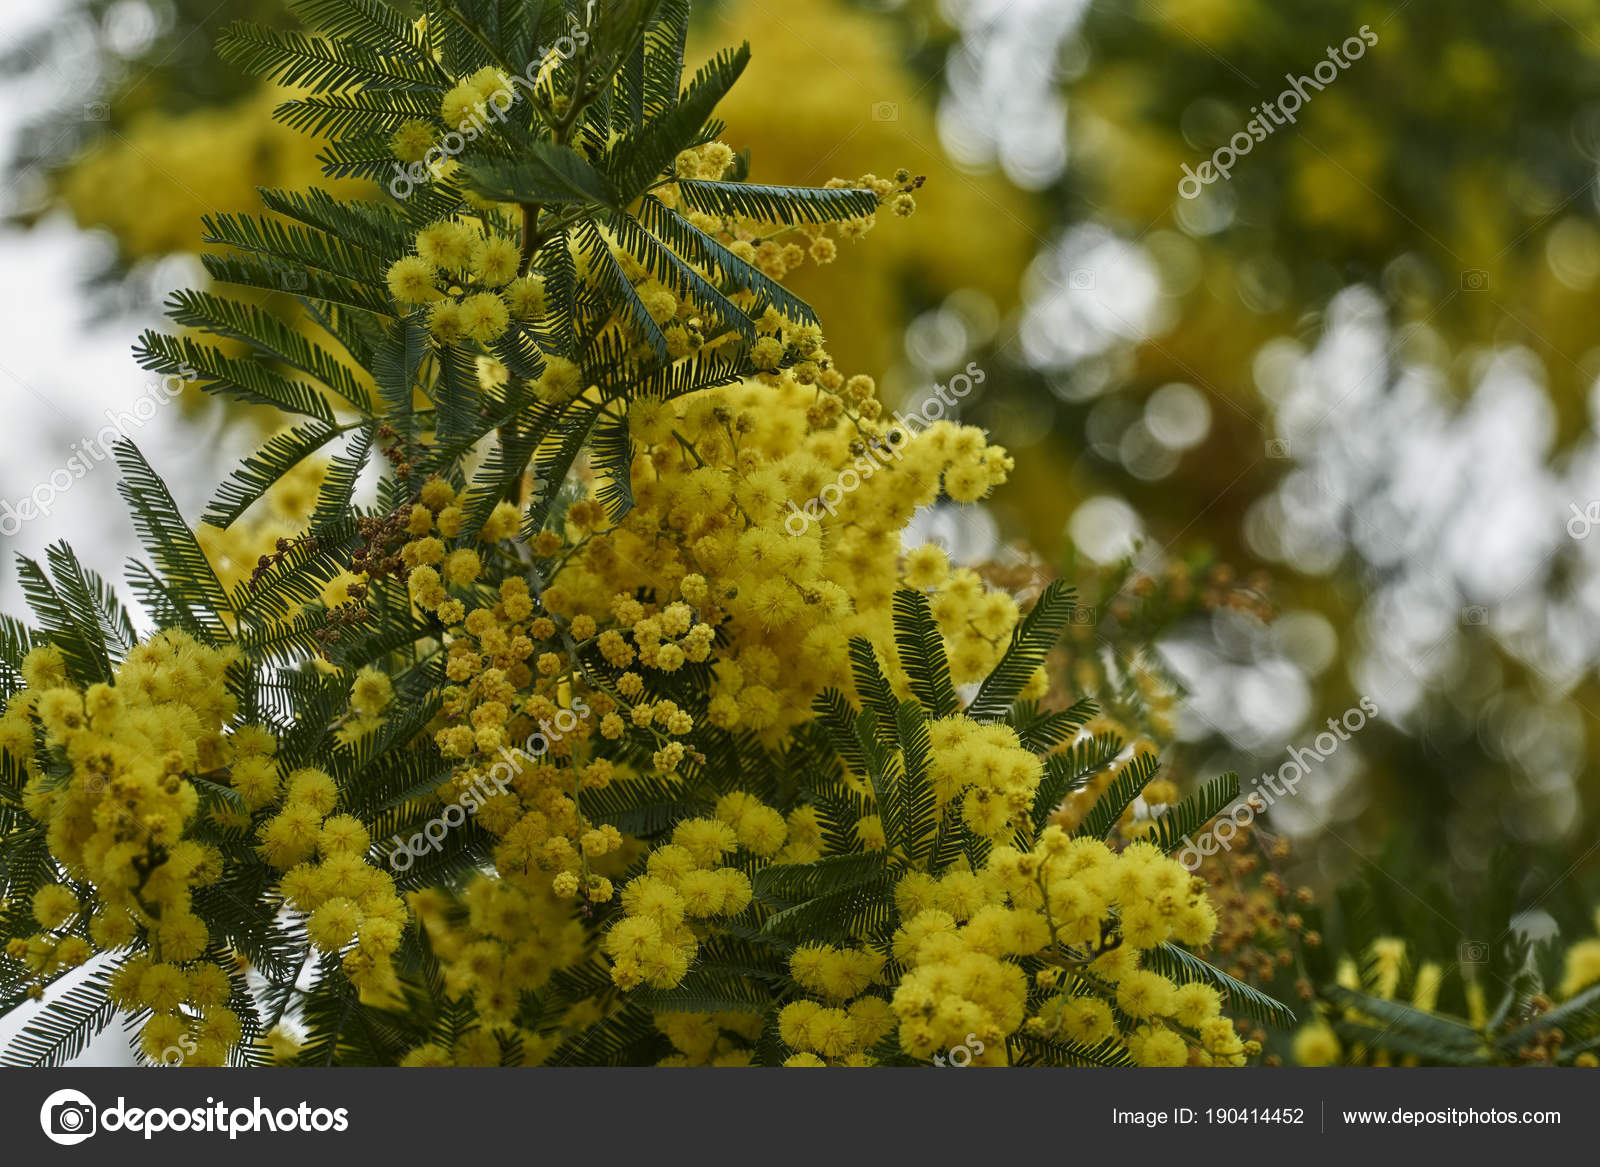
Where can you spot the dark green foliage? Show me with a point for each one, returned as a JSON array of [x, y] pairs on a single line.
[[78, 611], [188, 581], [61, 1033], [1032, 639], [1070, 769], [1394, 1026], [1182, 966], [1041, 731], [922, 653], [1195, 811], [1497, 1000], [1027, 1050], [777, 204], [1134, 777], [259, 472]]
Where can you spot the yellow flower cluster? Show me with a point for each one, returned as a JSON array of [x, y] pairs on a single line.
[[704, 553], [117, 824], [709, 1039], [988, 762], [507, 943], [685, 881], [119, 820], [55, 906], [600, 673], [328, 877], [371, 694], [718, 479], [840, 1033], [469, 277], [471, 97], [190, 1023], [516, 718], [1088, 912]]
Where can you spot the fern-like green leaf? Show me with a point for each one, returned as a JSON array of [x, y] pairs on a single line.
[[1184, 967], [787, 205], [543, 174], [787, 884], [170, 541], [63, 1030], [1194, 812], [1136, 774], [260, 471], [297, 61], [921, 648], [1031, 641], [1070, 770]]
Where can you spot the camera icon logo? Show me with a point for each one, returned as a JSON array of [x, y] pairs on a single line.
[[96, 111], [68, 1117], [1474, 280], [1474, 615], [1472, 952], [1081, 279], [293, 281], [1085, 615], [886, 111], [1278, 448]]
